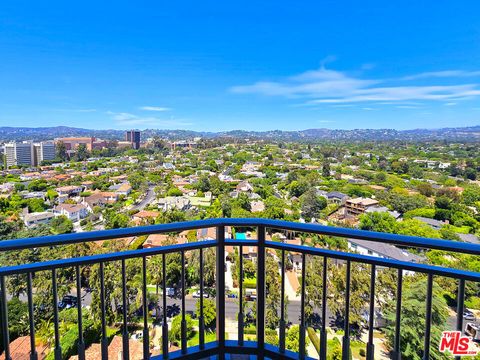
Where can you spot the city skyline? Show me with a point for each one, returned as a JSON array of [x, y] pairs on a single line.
[[219, 67]]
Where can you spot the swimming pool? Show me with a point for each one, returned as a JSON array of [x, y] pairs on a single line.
[[241, 236]]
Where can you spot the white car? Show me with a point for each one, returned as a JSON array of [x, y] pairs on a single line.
[[196, 294]]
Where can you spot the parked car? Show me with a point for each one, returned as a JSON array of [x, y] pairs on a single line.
[[473, 330], [196, 294], [170, 292], [67, 302], [468, 315]]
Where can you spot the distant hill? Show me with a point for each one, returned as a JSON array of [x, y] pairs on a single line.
[[470, 134]]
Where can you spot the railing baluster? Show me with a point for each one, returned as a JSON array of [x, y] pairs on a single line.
[[33, 349], [460, 306], [323, 331], [164, 298], [81, 342], [302, 328], [428, 318], [398, 317], [184, 322], [261, 291], [371, 315], [146, 339], [346, 324], [104, 341], [240, 297], [126, 350], [58, 348], [220, 291], [282, 305], [6, 337], [201, 319]]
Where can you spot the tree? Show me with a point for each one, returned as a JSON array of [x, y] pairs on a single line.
[[297, 188], [377, 221], [61, 150], [425, 189], [272, 290], [292, 339], [81, 153], [209, 312], [61, 225], [326, 169], [413, 330], [359, 292], [312, 204], [175, 333]]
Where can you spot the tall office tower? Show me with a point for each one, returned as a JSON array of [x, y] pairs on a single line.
[[19, 153], [133, 136], [44, 151]]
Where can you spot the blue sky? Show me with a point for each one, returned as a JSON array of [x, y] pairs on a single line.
[[222, 65]]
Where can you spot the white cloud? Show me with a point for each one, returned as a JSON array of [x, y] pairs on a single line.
[[450, 104], [325, 86], [155, 108], [127, 119], [78, 110], [443, 74]]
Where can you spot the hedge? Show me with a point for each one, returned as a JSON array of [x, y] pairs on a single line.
[[250, 283]]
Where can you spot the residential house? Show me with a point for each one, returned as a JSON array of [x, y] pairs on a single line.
[[74, 212], [383, 209], [257, 206], [36, 218], [382, 250], [20, 349], [174, 202], [244, 186], [70, 190], [100, 199], [359, 205], [434, 224], [336, 197], [124, 189], [144, 217]]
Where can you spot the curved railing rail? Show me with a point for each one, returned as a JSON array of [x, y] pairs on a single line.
[[222, 346]]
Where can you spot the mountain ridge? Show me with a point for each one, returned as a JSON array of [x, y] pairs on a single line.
[[469, 133]]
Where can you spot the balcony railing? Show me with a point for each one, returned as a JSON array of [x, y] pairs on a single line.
[[222, 346]]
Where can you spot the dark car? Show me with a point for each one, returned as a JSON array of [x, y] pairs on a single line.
[[468, 315], [67, 302]]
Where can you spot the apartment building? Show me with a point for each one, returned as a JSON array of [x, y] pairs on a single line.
[[19, 153], [43, 151]]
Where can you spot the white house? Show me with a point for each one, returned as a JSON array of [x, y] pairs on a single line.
[[74, 212]]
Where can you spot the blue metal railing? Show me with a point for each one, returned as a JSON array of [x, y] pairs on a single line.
[[222, 346]]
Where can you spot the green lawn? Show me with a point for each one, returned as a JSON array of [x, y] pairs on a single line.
[[209, 337]]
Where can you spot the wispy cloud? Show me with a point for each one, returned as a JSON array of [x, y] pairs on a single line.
[[77, 110], [128, 119], [155, 108], [325, 86], [443, 74], [406, 107], [450, 104]]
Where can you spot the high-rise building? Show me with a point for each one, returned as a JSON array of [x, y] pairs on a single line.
[[44, 151], [19, 153], [133, 137]]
